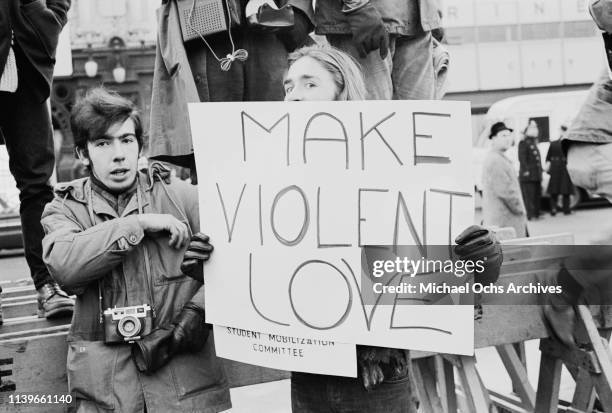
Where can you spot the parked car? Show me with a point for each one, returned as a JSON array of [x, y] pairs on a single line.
[[550, 111]]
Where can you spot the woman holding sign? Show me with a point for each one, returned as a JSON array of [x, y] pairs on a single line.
[[385, 384]]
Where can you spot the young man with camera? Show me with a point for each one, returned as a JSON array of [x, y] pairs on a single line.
[[124, 242]]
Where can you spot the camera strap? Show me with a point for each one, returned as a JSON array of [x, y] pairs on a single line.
[[147, 261], [92, 217]]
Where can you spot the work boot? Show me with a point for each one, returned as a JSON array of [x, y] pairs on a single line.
[[53, 302]]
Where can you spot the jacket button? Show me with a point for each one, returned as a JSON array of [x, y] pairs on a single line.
[[133, 238]]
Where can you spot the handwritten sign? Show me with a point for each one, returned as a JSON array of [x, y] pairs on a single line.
[[290, 192], [305, 354]]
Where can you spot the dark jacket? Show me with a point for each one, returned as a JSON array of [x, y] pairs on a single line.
[[36, 25], [173, 83], [403, 17], [560, 181], [80, 254], [530, 160]]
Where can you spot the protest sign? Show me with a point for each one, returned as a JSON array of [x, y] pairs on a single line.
[[286, 352], [289, 192]]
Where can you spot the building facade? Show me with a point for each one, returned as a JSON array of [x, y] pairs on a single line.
[[113, 44], [503, 48]]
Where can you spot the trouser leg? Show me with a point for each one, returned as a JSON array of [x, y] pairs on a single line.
[[413, 71], [537, 197], [553, 203], [566, 204], [377, 72], [26, 126]]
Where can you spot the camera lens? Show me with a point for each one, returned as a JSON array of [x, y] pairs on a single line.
[[129, 326]]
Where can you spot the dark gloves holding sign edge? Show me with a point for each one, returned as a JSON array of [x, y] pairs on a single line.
[[189, 332]]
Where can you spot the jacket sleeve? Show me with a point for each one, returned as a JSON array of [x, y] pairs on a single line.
[[522, 154], [76, 256]]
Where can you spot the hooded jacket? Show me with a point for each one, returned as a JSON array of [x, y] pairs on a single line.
[[114, 254]]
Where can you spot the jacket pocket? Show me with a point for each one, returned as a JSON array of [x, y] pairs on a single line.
[[90, 368], [44, 23], [198, 373]]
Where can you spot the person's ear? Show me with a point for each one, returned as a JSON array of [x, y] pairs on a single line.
[[82, 154]]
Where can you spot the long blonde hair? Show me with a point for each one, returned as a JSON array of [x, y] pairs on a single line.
[[345, 70]]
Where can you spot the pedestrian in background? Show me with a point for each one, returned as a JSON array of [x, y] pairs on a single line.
[[391, 40], [530, 172], [560, 182], [502, 203], [29, 33]]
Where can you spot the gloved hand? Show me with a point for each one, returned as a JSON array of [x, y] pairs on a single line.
[[297, 35], [197, 252], [558, 309], [153, 351], [561, 321], [190, 331], [369, 32], [379, 363], [478, 243]]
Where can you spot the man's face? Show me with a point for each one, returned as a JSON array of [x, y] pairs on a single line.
[[532, 129], [114, 157], [503, 140]]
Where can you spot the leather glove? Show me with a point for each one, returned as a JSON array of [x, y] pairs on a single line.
[[153, 351], [197, 252], [379, 363], [369, 32], [297, 35], [561, 321], [558, 309], [478, 243], [190, 331]]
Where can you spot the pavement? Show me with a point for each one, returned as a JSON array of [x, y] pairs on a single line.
[[274, 397]]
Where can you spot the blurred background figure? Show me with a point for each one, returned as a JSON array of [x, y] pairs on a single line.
[[530, 172], [560, 182], [391, 39], [502, 204]]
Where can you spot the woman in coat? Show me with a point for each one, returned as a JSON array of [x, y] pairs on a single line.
[[560, 182], [502, 204]]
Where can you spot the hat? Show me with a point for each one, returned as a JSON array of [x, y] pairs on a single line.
[[601, 12], [498, 127]]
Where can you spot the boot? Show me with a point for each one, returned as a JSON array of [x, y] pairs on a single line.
[[53, 302]]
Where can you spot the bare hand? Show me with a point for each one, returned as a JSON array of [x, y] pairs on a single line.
[[179, 234]]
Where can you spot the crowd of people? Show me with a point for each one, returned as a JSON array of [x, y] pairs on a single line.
[[123, 238]]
